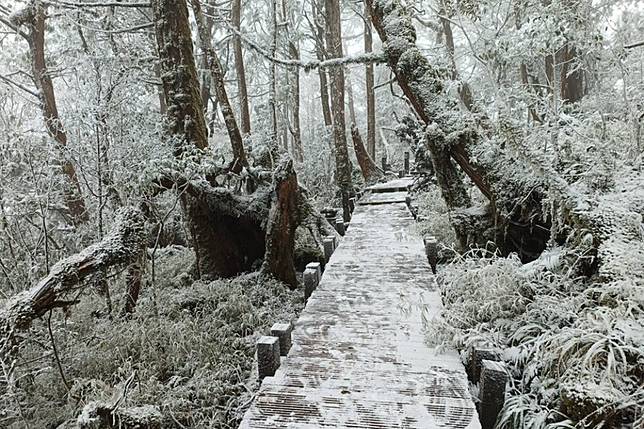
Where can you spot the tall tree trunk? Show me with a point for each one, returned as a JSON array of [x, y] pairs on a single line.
[[320, 52], [371, 96], [334, 49], [185, 117], [349, 88], [240, 69], [273, 82], [217, 77], [523, 69], [71, 191], [298, 150], [206, 78], [464, 92], [572, 83]]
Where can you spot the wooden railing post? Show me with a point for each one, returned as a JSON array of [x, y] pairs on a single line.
[[283, 332], [329, 247], [310, 278], [406, 163], [494, 377], [268, 356], [317, 267], [431, 250]]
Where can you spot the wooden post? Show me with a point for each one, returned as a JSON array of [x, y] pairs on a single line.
[[494, 377], [476, 358], [339, 225], [268, 356], [431, 250], [329, 247], [310, 278], [283, 332], [401, 174], [384, 163], [317, 267], [406, 164]]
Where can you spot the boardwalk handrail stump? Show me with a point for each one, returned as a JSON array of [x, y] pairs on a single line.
[[268, 356], [494, 377], [431, 250], [283, 332]]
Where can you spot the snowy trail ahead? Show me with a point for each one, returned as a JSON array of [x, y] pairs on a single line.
[[359, 357]]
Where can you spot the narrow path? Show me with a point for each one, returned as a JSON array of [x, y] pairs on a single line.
[[359, 357]]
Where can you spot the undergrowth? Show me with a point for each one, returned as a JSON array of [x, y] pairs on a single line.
[[574, 346], [189, 348]]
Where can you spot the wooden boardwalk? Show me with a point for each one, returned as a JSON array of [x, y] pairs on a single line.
[[359, 357]]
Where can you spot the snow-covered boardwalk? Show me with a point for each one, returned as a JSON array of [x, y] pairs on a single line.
[[359, 357]]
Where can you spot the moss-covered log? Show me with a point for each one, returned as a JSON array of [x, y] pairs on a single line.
[[122, 245], [454, 138]]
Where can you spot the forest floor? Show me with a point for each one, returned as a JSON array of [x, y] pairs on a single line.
[[190, 347]]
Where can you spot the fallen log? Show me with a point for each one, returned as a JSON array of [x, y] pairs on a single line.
[[120, 246], [455, 138]]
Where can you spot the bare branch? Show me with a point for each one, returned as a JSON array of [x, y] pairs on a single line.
[[634, 45], [76, 5], [18, 85]]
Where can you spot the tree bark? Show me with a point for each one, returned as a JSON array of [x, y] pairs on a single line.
[[240, 68], [296, 131], [185, 117], [272, 101], [282, 222], [421, 83], [368, 167], [334, 49], [121, 245], [217, 76], [371, 96], [572, 83], [34, 17], [464, 91], [318, 30]]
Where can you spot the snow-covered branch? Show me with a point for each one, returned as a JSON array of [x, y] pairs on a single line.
[[366, 58]]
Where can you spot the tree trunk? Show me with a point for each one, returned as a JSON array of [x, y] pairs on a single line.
[[422, 83], [349, 88], [206, 79], [334, 49], [572, 84], [217, 76], [282, 222], [464, 92], [318, 30], [298, 151], [35, 19], [371, 96], [454, 139], [368, 167], [240, 69], [185, 117], [273, 84]]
